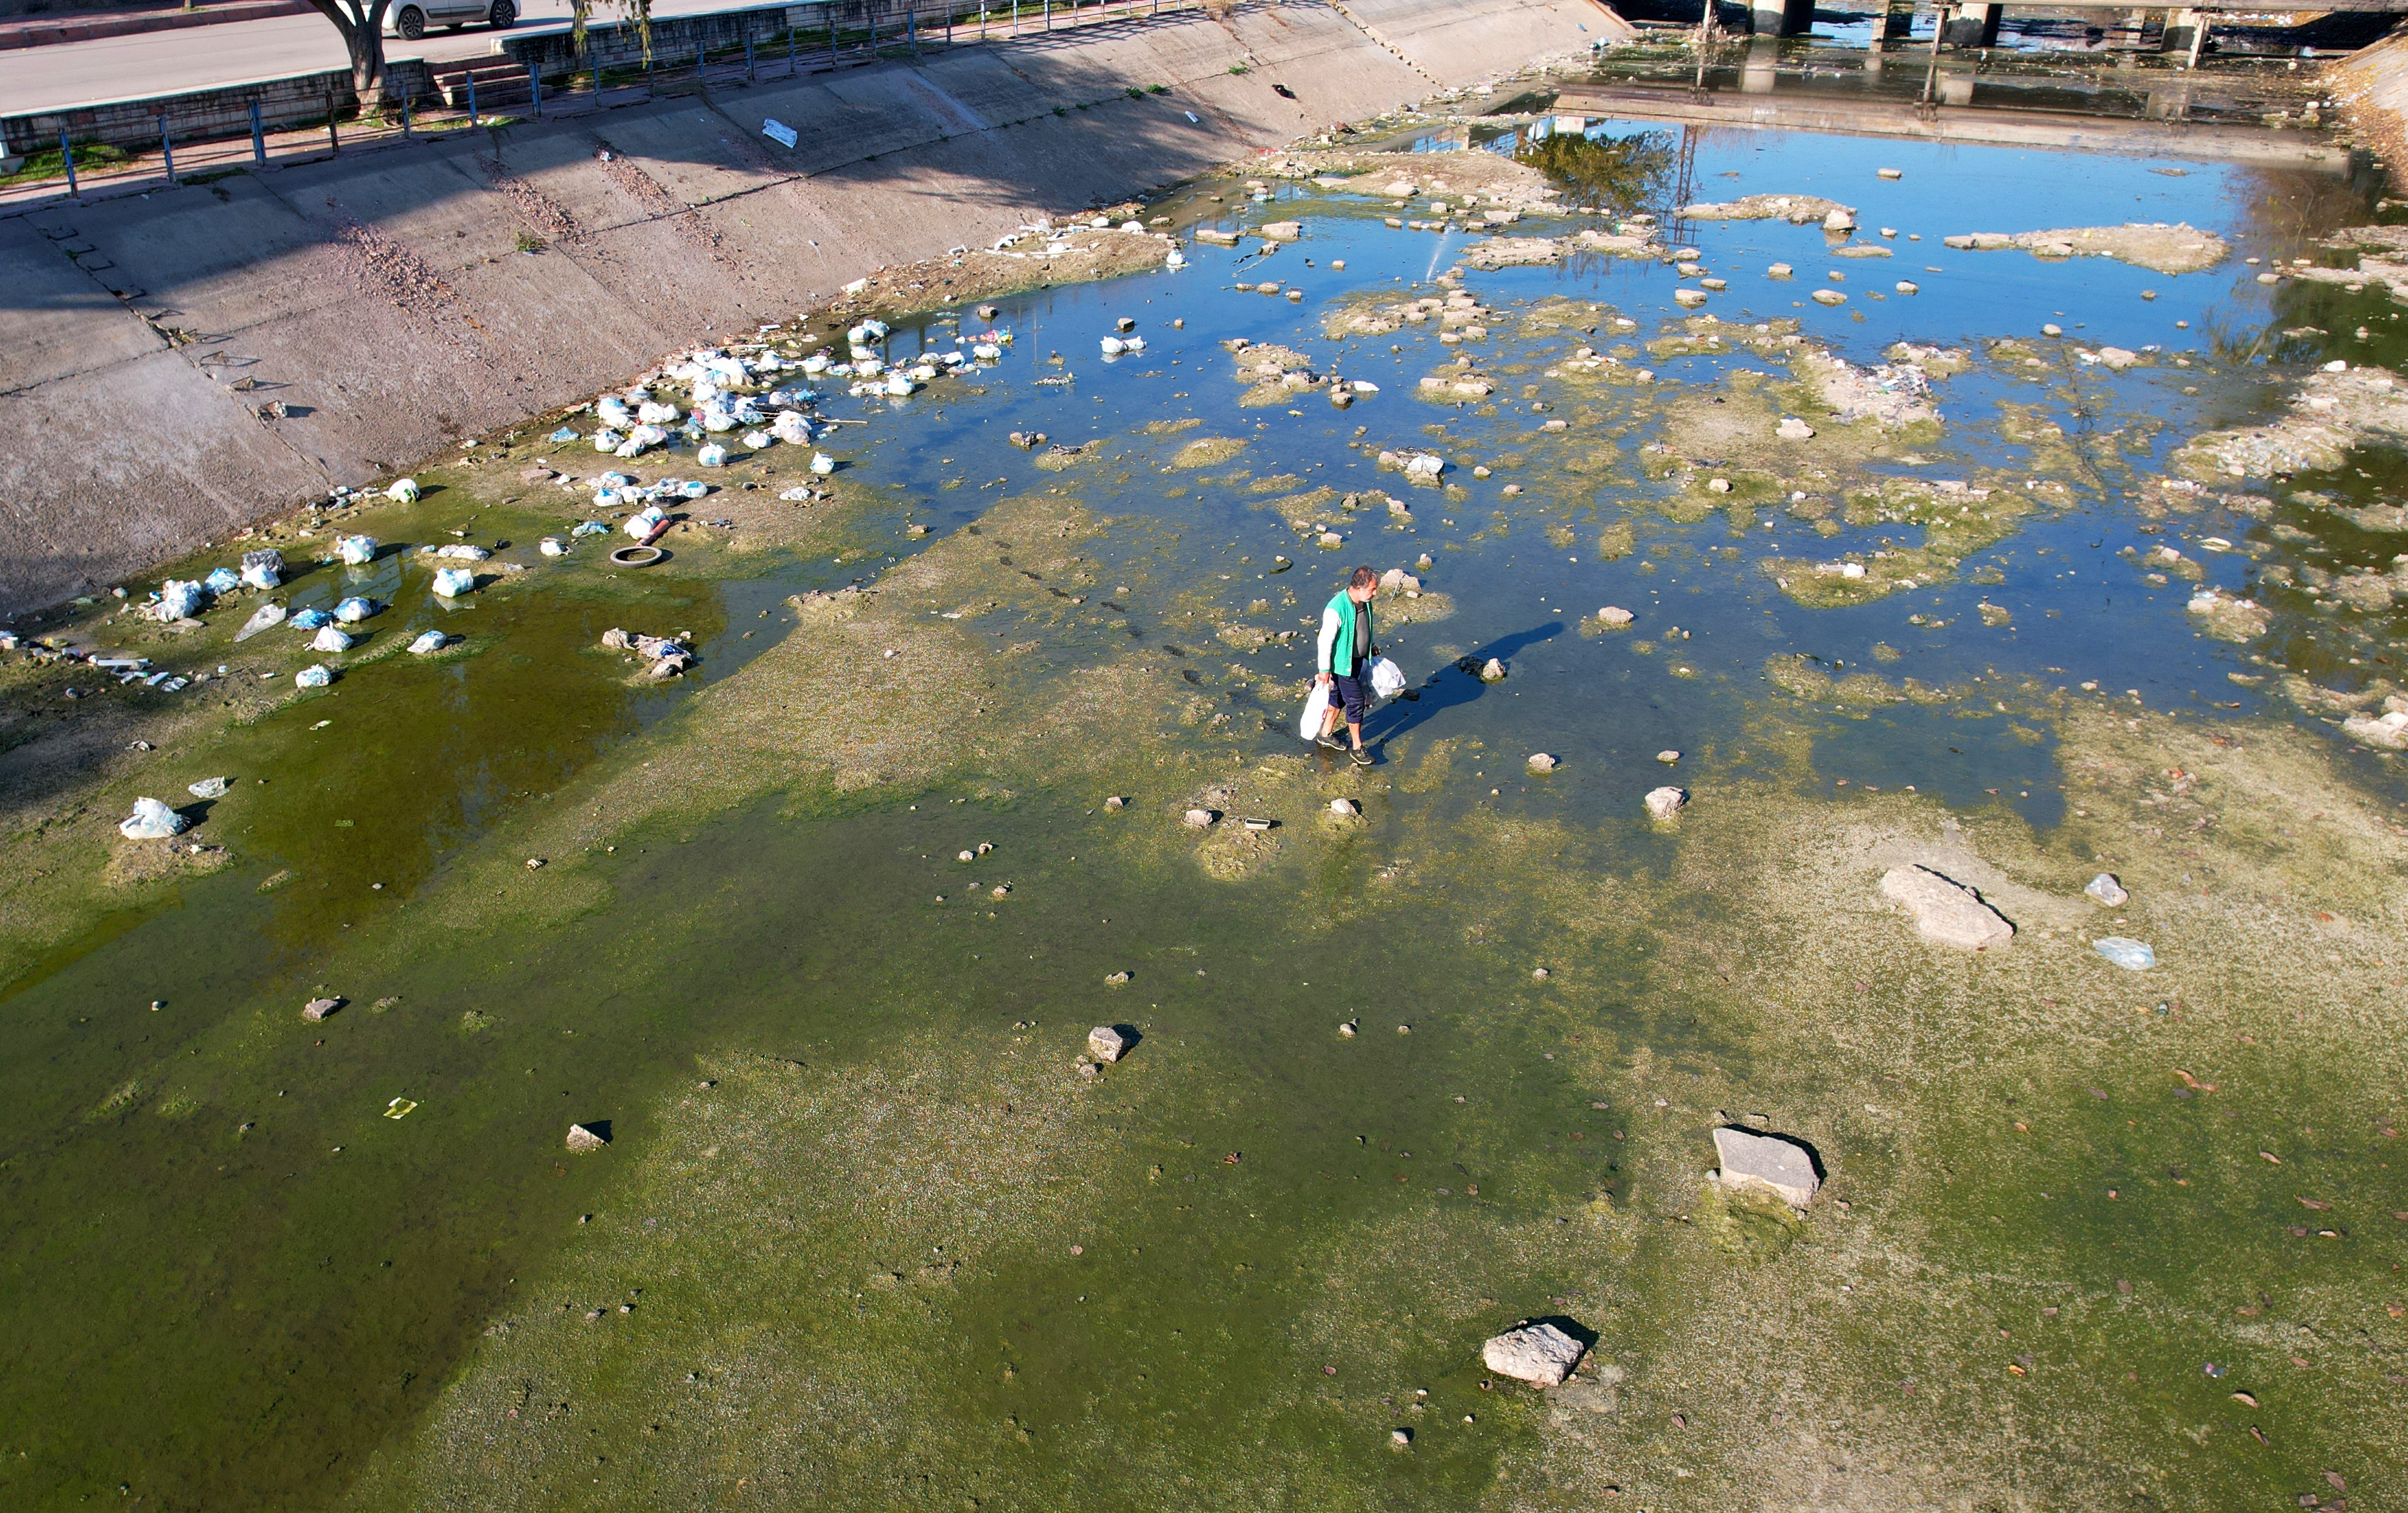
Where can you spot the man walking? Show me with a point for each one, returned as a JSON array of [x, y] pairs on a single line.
[[1343, 661]]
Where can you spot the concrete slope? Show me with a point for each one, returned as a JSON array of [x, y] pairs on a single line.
[[386, 301]]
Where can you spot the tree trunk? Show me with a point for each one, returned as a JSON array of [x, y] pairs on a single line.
[[367, 44]]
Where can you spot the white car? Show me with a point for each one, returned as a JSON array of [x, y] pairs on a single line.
[[410, 18]]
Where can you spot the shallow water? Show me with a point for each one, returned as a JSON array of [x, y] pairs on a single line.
[[232, 1283]]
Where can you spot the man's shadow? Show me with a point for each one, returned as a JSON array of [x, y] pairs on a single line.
[[1455, 685]]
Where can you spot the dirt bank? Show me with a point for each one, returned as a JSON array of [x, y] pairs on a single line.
[[393, 301]]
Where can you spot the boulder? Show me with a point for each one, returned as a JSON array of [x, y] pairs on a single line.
[[1345, 808], [583, 1139], [316, 1010], [1794, 429], [1666, 802], [1614, 616], [2109, 891], [1201, 818], [1492, 671], [1540, 1354], [1541, 761], [1771, 1163], [1110, 1042], [1946, 911], [1284, 231]]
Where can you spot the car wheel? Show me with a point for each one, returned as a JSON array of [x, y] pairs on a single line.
[[410, 23], [504, 15]]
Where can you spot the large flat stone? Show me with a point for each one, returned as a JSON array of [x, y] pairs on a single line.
[[1540, 1354], [1769, 1163], [1945, 911]]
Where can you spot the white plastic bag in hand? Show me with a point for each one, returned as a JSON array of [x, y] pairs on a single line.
[[1316, 709], [1388, 679]]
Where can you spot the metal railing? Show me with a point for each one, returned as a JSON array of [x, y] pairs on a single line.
[[844, 36]]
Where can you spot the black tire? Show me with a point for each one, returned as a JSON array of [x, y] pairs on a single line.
[[504, 15], [411, 24]]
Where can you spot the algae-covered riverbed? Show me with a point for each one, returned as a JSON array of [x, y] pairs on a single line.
[[814, 934]]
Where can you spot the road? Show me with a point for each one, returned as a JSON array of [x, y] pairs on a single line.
[[197, 57]]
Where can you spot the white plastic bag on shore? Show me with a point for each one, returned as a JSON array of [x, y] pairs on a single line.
[[179, 599], [645, 522], [151, 820], [1316, 710], [264, 617], [404, 491], [332, 638], [452, 582], [312, 678], [430, 641], [355, 550], [1388, 679]]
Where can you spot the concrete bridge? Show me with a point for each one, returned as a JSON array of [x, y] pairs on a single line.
[[1965, 23]]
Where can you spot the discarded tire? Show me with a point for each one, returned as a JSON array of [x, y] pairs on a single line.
[[636, 556]]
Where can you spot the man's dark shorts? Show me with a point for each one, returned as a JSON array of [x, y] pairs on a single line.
[[1356, 692]]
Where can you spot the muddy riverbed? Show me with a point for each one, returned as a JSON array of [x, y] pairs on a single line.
[[2020, 559]]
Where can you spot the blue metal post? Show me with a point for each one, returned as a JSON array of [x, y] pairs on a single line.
[[471, 78], [535, 89], [748, 75], [166, 149], [66, 156], [404, 114], [911, 26], [598, 83], [259, 136]]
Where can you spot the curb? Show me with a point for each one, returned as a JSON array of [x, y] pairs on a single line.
[[16, 39]]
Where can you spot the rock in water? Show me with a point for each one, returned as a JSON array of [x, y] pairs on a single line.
[[581, 1139], [1201, 818], [1780, 1166], [1666, 802], [1345, 808], [1794, 429], [1541, 761], [1540, 1354], [1109, 1042], [1614, 616], [1492, 671], [1945, 911], [2105, 889], [316, 1010]]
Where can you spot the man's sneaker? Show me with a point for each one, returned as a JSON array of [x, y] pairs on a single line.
[[1330, 742], [1362, 756]]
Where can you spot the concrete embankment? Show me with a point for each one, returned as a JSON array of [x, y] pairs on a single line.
[[2370, 87], [386, 303]]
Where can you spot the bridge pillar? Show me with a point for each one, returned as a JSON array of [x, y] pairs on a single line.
[[1974, 26], [1757, 72], [2180, 26], [1781, 18]]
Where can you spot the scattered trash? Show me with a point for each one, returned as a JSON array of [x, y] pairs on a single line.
[[400, 1108], [309, 619], [266, 617], [152, 820], [211, 788], [312, 677], [263, 569], [355, 608], [331, 639], [780, 133], [2108, 891], [1388, 679], [429, 641], [222, 580], [2132, 955], [452, 582], [403, 491], [636, 556], [355, 550]]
